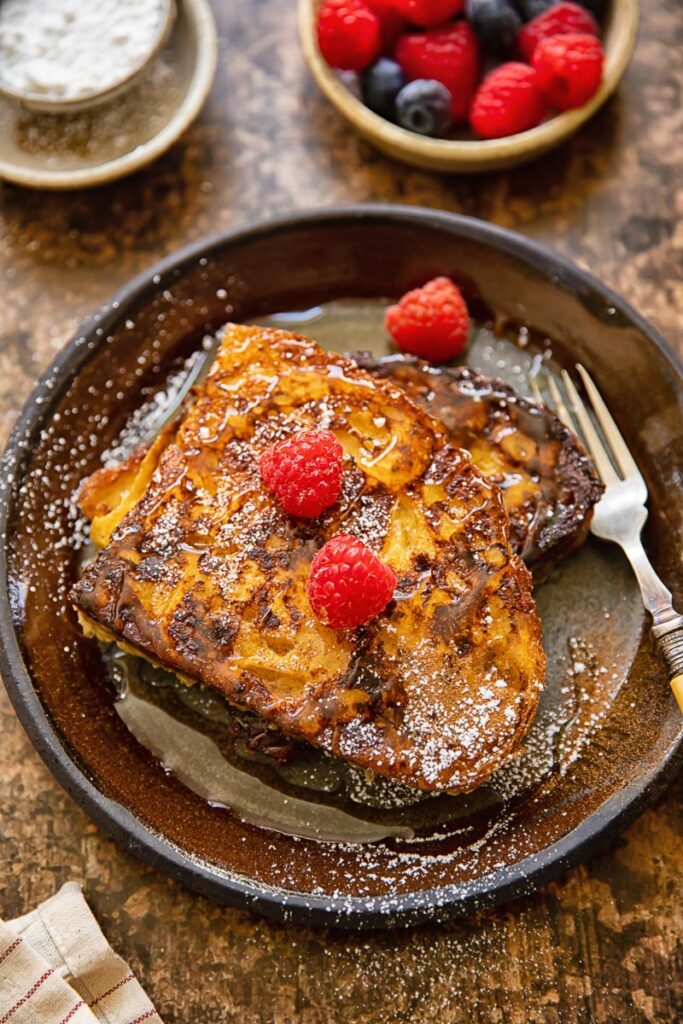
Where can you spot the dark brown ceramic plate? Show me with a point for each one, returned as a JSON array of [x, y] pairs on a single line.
[[608, 735]]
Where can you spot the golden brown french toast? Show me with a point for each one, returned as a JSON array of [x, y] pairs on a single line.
[[206, 575], [548, 481]]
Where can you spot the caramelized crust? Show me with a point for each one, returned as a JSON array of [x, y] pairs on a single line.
[[206, 576], [549, 483]]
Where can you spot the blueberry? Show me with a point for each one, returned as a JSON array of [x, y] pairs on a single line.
[[381, 84], [531, 8], [352, 82], [425, 107], [495, 23]]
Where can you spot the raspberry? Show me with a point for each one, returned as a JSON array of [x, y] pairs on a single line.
[[304, 472], [558, 20], [349, 34], [448, 54], [431, 322], [508, 101], [569, 69], [391, 22], [428, 12], [348, 584]]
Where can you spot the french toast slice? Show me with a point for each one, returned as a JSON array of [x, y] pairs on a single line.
[[204, 574], [549, 483]]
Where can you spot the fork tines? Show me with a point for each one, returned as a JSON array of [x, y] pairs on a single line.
[[606, 445]]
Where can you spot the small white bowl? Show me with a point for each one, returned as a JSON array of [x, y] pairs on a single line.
[[60, 105], [194, 46]]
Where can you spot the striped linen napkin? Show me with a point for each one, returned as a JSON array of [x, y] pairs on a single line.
[[56, 967]]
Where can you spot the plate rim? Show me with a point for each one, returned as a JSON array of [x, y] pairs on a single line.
[[436, 904], [187, 110]]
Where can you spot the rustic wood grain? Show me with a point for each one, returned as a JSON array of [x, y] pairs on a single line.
[[605, 944]]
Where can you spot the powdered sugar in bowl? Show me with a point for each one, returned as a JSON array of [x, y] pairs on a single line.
[[66, 55]]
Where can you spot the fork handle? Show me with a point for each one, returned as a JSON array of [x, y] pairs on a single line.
[[669, 638]]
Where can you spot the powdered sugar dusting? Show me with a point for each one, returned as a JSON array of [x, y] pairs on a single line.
[[458, 839]]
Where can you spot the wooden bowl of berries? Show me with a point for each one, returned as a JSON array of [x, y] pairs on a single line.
[[467, 85]]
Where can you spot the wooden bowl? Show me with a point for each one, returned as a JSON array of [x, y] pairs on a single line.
[[465, 155]]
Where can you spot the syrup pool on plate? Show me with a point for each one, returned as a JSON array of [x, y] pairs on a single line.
[[195, 734]]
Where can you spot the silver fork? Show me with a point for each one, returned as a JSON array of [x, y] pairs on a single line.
[[621, 513]]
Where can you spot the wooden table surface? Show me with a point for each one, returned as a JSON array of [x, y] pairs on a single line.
[[606, 943]]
